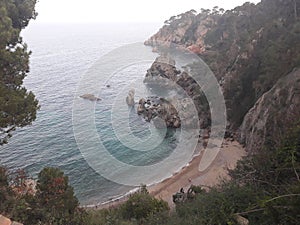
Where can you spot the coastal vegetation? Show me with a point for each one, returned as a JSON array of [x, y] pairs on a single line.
[[51, 202], [264, 189]]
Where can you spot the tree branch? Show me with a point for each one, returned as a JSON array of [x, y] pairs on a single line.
[[282, 196]]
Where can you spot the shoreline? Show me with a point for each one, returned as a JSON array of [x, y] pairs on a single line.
[[230, 153]]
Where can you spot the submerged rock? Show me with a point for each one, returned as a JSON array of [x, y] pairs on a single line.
[[90, 97], [141, 106]]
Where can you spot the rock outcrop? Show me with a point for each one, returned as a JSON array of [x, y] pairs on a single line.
[[6, 221], [162, 71], [273, 114], [160, 111], [187, 29]]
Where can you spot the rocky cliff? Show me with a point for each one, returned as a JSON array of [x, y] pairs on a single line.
[[273, 114], [250, 49]]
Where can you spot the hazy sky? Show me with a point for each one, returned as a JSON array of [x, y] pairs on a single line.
[[122, 10]]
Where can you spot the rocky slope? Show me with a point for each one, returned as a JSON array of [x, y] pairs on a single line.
[[277, 110], [250, 49]]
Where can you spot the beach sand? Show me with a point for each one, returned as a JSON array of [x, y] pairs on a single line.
[[227, 158]]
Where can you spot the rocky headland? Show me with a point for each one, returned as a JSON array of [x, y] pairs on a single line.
[[165, 74], [247, 58]]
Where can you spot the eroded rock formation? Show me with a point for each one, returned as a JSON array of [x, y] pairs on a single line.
[[160, 111]]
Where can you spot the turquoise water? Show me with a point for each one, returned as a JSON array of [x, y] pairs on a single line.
[[61, 56]]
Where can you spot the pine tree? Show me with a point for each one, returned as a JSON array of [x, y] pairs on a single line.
[[17, 105]]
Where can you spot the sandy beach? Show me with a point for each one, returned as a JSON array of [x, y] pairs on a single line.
[[227, 158]]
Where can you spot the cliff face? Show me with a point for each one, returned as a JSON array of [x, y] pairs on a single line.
[[249, 49], [277, 110], [187, 30]]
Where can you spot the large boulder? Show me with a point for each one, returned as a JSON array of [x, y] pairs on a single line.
[[130, 98], [4, 220]]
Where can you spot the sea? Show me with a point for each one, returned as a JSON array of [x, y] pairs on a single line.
[[62, 54]]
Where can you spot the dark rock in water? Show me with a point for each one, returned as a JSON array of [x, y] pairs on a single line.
[[141, 107], [130, 98], [162, 112], [108, 86], [176, 123], [90, 97]]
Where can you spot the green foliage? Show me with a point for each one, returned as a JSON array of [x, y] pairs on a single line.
[[218, 206], [56, 196], [196, 189], [53, 204], [140, 208], [6, 194], [17, 106], [274, 174], [141, 205], [107, 217]]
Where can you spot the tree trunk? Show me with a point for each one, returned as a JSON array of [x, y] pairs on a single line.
[[295, 10]]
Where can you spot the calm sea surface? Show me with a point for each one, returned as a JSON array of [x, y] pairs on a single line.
[[61, 56]]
